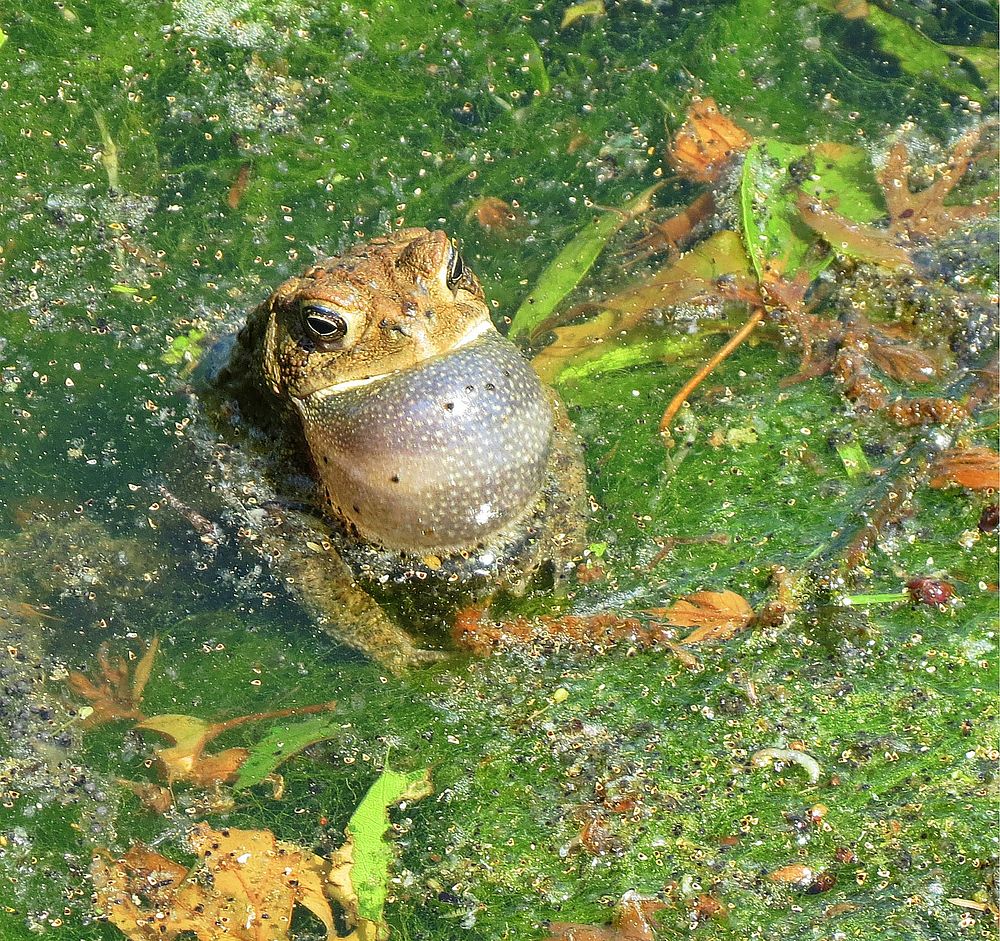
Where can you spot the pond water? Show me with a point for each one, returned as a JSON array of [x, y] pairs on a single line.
[[167, 165]]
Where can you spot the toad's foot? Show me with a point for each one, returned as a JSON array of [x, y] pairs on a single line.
[[324, 585]]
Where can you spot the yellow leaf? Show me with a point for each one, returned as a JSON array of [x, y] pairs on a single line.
[[577, 11], [243, 888]]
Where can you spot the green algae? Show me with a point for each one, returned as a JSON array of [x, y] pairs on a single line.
[[126, 129]]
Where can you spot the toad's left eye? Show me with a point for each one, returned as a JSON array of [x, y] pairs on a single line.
[[456, 267], [323, 323]]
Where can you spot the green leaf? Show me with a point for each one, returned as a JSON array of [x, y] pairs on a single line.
[[854, 459], [843, 178], [776, 237], [568, 268], [283, 743], [774, 173], [985, 61], [367, 828], [571, 14], [919, 56], [635, 349]]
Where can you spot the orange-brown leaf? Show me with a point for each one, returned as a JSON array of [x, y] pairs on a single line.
[[706, 142], [794, 874], [633, 922], [899, 360], [185, 759], [116, 693], [244, 888], [715, 615], [494, 214], [850, 238], [675, 231], [239, 186], [976, 468]]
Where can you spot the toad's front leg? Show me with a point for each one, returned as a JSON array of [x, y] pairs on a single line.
[[324, 585]]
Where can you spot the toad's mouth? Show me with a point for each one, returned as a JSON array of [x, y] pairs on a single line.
[[441, 456], [474, 332]]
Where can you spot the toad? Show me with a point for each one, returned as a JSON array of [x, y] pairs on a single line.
[[437, 454]]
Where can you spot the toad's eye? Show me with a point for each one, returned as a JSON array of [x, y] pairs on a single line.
[[456, 267], [324, 324]]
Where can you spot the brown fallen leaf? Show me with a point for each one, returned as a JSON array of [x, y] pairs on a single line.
[[185, 759], [117, 692], [243, 887], [494, 214], [852, 238], [153, 797], [976, 468], [915, 216], [795, 875], [239, 187], [633, 921], [707, 907], [706, 142], [676, 231], [715, 615]]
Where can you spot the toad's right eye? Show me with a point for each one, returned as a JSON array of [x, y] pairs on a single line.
[[324, 324]]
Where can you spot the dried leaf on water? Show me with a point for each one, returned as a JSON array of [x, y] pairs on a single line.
[[716, 616], [246, 883], [976, 468], [678, 230], [239, 187], [633, 921], [706, 142], [794, 874], [494, 214], [186, 760], [853, 239], [117, 691], [243, 887]]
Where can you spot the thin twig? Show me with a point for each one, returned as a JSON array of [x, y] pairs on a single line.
[[699, 377]]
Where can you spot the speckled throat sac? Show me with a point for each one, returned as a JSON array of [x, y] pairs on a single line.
[[440, 457]]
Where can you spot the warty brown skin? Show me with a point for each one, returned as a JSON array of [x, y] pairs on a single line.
[[429, 432]]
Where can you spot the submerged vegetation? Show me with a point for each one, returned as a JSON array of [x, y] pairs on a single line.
[[754, 248]]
